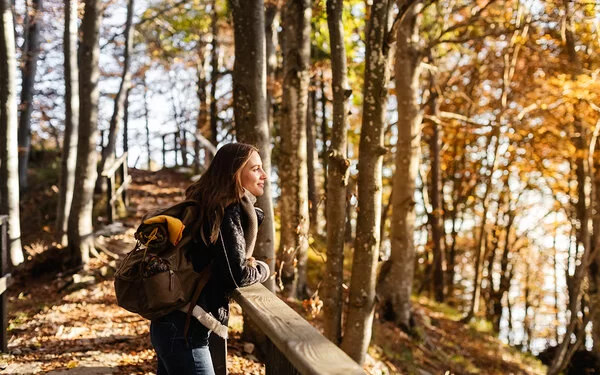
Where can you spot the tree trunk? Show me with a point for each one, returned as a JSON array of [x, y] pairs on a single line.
[[292, 169], [396, 286], [271, 26], [324, 135], [214, 75], [594, 270], [126, 124], [435, 219], [203, 120], [108, 152], [250, 108], [583, 209], [9, 158], [147, 123], [81, 231], [361, 307], [31, 52], [479, 249], [69, 155], [311, 158], [337, 177]]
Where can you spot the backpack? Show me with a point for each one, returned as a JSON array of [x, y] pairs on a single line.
[[157, 276]]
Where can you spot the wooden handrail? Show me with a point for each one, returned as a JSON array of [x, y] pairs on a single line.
[[180, 139], [294, 338], [114, 193], [109, 171]]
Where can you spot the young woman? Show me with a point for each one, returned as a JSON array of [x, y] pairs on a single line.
[[227, 192]]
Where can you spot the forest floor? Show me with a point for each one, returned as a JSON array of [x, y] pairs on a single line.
[[61, 322]]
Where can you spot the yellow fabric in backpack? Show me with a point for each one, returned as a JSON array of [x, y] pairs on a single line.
[[174, 226]]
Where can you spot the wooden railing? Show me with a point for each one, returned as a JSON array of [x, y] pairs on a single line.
[[117, 172], [177, 142], [293, 346], [5, 282]]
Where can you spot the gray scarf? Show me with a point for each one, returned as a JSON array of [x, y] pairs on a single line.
[[251, 231]]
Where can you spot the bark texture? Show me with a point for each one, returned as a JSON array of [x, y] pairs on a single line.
[[9, 159], [292, 168], [250, 108], [108, 152], [81, 231], [361, 306], [31, 51], [337, 177], [69, 155], [396, 280]]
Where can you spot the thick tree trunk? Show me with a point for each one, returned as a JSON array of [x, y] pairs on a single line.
[[250, 108], [81, 231], [361, 307], [108, 152], [292, 169], [31, 52], [337, 177], [9, 158], [396, 285], [69, 155]]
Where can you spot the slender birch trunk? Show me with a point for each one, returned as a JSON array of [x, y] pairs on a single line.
[[337, 177], [9, 158], [69, 156]]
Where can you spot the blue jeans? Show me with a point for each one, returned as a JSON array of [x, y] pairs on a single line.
[[177, 355]]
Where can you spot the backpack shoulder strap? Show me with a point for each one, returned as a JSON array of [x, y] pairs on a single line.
[[204, 277]]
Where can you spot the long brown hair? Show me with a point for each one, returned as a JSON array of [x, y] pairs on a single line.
[[220, 186]]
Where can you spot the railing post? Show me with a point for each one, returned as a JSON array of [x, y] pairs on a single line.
[[124, 173], [196, 156], [175, 146], [164, 151], [3, 271], [218, 353], [110, 204], [183, 143], [276, 363]]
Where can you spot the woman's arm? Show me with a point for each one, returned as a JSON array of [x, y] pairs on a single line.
[[231, 261]]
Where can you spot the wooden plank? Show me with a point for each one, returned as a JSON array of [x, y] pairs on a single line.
[[218, 353], [121, 188], [276, 363], [5, 282], [107, 172], [302, 344], [4, 296]]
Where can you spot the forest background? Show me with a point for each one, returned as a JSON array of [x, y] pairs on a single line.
[[442, 148]]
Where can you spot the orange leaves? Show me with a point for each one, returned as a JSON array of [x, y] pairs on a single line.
[[313, 306]]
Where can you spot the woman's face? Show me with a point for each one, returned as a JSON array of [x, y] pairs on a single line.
[[253, 176]]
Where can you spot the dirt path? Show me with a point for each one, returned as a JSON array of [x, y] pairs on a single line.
[[64, 324]]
